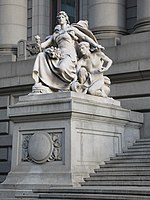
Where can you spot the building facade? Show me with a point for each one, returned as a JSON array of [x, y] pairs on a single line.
[[121, 26]]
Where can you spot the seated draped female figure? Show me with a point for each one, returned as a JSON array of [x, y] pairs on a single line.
[[55, 67]]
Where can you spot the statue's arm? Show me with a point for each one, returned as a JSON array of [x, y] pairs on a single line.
[[47, 42], [86, 38], [107, 60]]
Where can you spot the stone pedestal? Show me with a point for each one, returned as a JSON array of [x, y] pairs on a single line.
[[60, 138]]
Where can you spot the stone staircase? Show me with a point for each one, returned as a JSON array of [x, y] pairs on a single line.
[[130, 168], [124, 177]]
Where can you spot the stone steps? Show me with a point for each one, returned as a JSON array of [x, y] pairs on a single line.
[[108, 193], [121, 173], [128, 161], [143, 140], [141, 146], [133, 153], [125, 165], [118, 178], [10, 199], [130, 157], [137, 150], [116, 183], [123, 169], [124, 177], [130, 168], [68, 196], [9, 192]]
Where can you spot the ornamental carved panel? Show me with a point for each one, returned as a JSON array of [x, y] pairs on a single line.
[[42, 146]]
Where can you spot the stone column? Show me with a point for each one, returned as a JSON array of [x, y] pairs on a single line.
[[83, 11], [13, 25], [107, 17], [40, 18], [143, 16]]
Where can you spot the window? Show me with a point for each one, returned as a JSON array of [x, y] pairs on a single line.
[[71, 7], [29, 20]]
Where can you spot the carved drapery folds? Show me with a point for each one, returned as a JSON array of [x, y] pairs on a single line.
[[70, 59]]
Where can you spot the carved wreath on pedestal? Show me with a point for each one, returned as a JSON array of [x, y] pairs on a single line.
[[42, 147]]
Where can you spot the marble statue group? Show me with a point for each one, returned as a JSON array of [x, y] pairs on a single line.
[[71, 60]]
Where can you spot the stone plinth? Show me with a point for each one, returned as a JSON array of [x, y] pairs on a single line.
[[60, 138]]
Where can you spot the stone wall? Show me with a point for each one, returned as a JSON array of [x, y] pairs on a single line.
[[15, 80], [130, 73]]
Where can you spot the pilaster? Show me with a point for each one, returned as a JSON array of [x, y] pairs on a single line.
[[40, 18]]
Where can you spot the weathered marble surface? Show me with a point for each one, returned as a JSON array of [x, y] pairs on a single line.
[[65, 54]]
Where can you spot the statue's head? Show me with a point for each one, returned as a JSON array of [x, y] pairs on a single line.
[[85, 44], [84, 48], [63, 13]]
